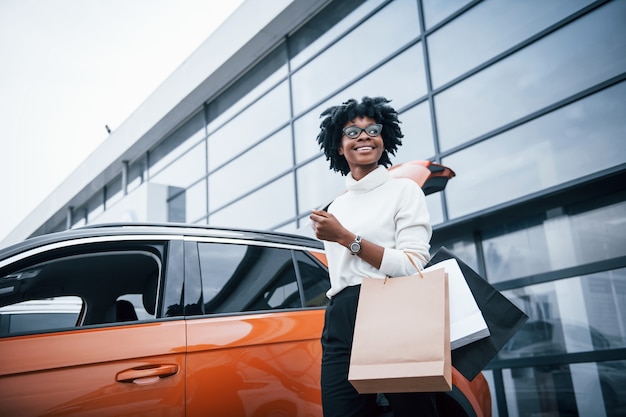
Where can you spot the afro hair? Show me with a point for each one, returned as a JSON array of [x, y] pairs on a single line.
[[336, 117]]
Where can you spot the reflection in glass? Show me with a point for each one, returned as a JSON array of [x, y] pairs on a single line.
[[176, 205], [316, 34], [311, 83], [237, 278], [113, 192], [305, 130], [186, 136], [218, 262], [401, 80], [78, 217], [417, 142], [39, 316], [492, 383], [569, 143], [458, 47], [464, 249], [196, 201], [79, 282], [136, 174], [185, 170], [436, 10], [315, 281], [318, 185], [578, 314], [251, 86], [588, 51], [266, 160], [250, 126], [537, 245], [435, 208], [582, 389], [264, 209], [95, 206]]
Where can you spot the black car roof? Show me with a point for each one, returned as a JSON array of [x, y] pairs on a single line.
[[173, 229]]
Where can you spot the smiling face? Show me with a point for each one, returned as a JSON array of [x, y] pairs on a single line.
[[362, 152]]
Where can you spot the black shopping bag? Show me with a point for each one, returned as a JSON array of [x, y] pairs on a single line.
[[502, 316]]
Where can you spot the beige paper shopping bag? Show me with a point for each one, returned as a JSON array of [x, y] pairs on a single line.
[[402, 335]]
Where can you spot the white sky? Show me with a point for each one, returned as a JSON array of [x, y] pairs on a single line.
[[70, 67]]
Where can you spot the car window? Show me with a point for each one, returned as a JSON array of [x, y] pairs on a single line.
[[315, 281], [40, 315], [238, 278], [66, 290], [136, 300]]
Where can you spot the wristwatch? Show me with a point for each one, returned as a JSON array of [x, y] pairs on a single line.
[[355, 246]]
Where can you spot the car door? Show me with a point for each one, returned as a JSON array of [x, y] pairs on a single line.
[[84, 330], [254, 317]]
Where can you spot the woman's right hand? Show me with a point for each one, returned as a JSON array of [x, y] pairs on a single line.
[[327, 227]]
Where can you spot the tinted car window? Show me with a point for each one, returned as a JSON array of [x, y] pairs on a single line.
[[238, 278], [87, 288], [314, 278], [40, 315]]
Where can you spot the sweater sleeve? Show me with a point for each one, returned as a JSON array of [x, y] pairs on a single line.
[[412, 236]]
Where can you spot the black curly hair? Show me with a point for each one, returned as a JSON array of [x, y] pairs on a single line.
[[336, 117]]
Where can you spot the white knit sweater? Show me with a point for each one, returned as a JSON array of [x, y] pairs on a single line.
[[390, 212]]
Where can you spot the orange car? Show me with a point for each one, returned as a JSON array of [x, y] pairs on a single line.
[[172, 320]]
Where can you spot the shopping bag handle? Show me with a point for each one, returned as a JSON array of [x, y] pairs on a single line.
[[419, 271]]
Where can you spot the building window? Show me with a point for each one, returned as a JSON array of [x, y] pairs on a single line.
[[326, 26], [176, 205], [418, 142], [255, 167], [459, 47], [95, 206], [259, 210], [184, 138], [113, 192], [254, 123], [375, 39], [318, 185], [436, 10], [581, 389], [136, 174], [79, 217], [557, 241], [581, 55], [266, 75], [197, 201], [185, 170], [570, 143]]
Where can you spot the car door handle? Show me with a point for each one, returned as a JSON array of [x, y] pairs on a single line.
[[147, 374]]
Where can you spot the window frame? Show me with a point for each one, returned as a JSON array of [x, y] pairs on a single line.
[[193, 297], [68, 250]]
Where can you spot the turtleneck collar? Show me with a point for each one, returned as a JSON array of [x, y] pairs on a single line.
[[374, 179]]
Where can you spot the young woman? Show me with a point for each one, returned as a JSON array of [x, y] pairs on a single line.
[[366, 232]]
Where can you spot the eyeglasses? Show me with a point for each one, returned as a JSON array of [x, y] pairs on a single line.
[[354, 131]]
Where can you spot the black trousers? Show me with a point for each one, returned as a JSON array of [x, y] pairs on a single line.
[[339, 398]]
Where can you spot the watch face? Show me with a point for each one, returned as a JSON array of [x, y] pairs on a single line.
[[355, 247]]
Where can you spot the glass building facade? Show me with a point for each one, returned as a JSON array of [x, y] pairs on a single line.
[[524, 100]]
